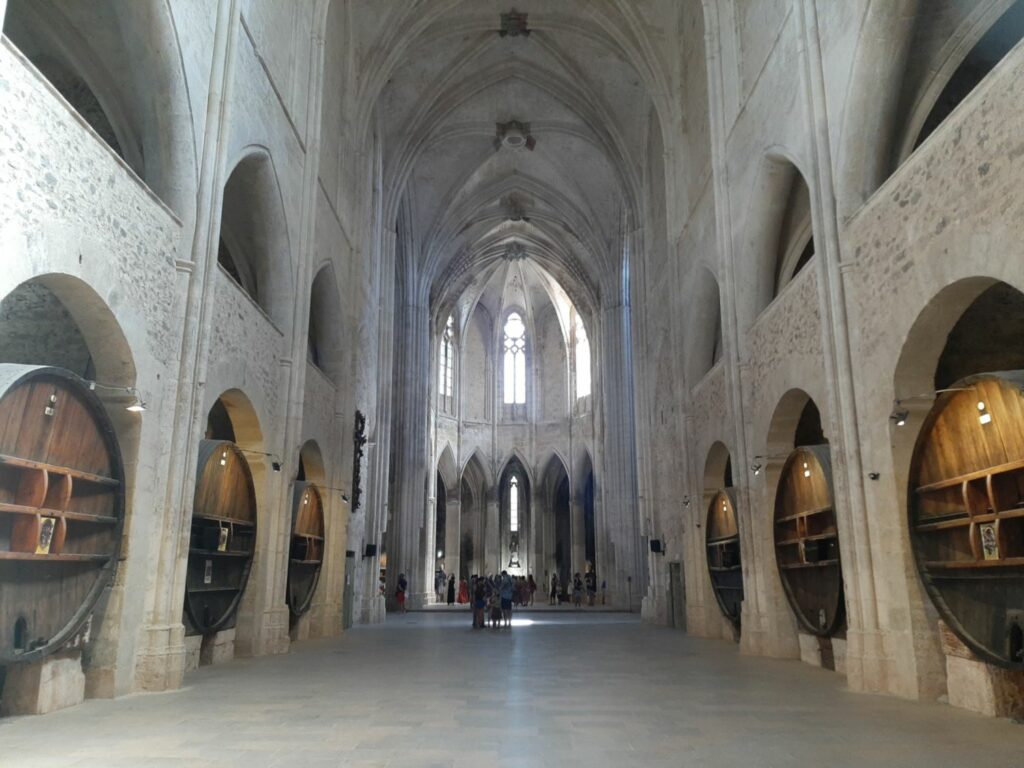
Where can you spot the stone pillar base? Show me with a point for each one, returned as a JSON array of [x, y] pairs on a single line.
[[977, 685], [161, 660], [217, 648], [825, 652], [193, 646], [301, 629], [373, 610], [53, 683]]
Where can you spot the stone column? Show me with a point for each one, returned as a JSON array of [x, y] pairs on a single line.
[[492, 534], [378, 447], [578, 533], [160, 661], [453, 536], [3, 12], [622, 563], [407, 540]]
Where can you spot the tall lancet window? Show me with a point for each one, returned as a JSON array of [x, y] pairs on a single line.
[[515, 360], [582, 351], [513, 504], [446, 367]]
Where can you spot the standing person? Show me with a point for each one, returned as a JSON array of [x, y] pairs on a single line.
[[554, 590], [506, 589], [591, 584], [451, 589], [479, 603], [463, 592], [400, 590], [439, 581], [577, 590], [531, 587]]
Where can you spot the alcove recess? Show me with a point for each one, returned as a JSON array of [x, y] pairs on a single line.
[[807, 540], [223, 538], [61, 508], [307, 547], [723, 548], [966, 508]]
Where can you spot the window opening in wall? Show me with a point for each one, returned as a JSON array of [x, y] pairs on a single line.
[[582, 352], [21, 635], [515, 360], [226, 260], [446, 366], [982, 59], [513, 504]]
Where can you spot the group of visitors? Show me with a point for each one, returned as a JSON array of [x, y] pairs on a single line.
[[560, 592], [494, 596]]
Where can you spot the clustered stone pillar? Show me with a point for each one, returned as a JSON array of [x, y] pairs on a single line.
[[452, 534], [620, 562]]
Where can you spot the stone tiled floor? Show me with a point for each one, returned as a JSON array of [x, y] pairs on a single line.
[[566, 690]]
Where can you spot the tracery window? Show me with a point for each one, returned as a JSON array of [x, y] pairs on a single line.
[[446, 367], [515, 360], [513, 504], [581, 347]]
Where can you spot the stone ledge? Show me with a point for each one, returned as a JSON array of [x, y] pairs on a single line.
[[56, 682]]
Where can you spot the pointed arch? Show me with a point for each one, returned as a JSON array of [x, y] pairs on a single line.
[[447, 469]]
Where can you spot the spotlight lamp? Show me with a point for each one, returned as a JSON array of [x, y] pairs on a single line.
[[275, 462], [755, 468], [137, 405], [900, 414]]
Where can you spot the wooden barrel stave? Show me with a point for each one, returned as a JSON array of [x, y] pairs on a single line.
[[307, 547], [807, 540], [53, 430], [218, 571], [723, 554], [966, 513]]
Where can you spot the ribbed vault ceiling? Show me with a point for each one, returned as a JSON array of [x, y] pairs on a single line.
[[464, 196]]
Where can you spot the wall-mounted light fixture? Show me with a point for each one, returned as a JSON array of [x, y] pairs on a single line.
[[900, 414], [873, 475], [275, 462], [899, 417], [136, 406], [755, 468]]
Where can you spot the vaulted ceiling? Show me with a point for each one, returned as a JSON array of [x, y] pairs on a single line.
[[499, 130]]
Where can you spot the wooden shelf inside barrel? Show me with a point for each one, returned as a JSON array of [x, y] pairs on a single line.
[[222, 541], [966, 513], [807, 540], [61, 508], [722, 544], [307, 547]]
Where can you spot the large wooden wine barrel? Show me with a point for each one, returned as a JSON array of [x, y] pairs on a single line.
[[966, 509], [307, 547], [61, 508], [722, 539], [223, 537], [807, 540]]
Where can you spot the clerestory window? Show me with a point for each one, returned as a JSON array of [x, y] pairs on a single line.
[[515, 360]]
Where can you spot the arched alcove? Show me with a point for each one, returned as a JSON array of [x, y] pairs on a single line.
[[954, 435], [324, 346], [557, 525], [254, 244], [981, 47], [780, 240], [139, 110], [722, 535], [225, 518], [475, 485], [586, 489], [59, 320], [514, 518], [703, 345]]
